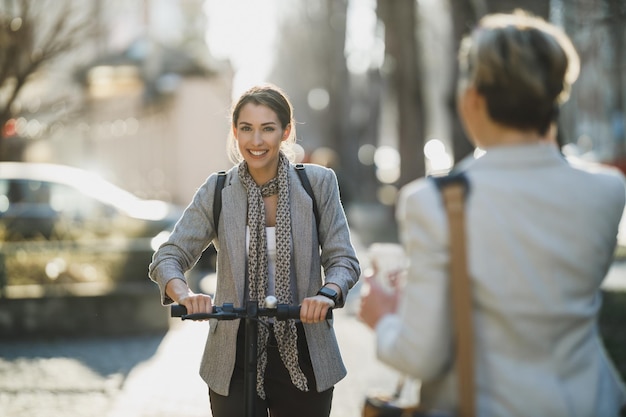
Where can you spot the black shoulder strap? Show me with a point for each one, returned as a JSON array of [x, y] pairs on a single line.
[[221, 179], [217, 198], [309, 190]]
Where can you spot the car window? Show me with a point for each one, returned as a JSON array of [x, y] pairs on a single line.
[[25, 191], [55, 197], [25, 209]]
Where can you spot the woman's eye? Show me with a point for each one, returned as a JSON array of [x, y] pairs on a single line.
[[269, 129], [245, 128]]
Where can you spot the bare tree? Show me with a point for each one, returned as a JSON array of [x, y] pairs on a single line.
[[33, 34]]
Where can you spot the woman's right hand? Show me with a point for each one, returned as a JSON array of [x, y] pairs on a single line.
[[178, 291], [196, 303]]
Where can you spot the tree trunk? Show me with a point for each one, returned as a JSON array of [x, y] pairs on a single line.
[[401, 45], [463, 19], [616, 13]]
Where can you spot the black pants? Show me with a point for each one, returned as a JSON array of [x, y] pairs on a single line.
[[282, 398]]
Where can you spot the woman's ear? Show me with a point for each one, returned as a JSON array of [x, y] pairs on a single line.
[[234, 131], [471, 106], [471, 102], [473, 98], [286, 132]]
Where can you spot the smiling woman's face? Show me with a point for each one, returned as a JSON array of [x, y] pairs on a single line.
[[259, 135]]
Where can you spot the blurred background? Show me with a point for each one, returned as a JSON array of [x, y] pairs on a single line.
[[139, 91], [113, 112]]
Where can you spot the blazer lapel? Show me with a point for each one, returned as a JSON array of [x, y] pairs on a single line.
[[301, 232], [234, 211]]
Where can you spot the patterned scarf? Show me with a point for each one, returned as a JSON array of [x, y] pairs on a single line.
[[284, 331]]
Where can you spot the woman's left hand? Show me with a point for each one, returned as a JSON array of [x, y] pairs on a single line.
[[314, 309]]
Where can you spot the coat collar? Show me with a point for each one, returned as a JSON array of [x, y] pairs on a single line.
[[515, 157]]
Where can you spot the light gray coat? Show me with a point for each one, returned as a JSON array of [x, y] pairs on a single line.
[[196, 229], [540, 239]]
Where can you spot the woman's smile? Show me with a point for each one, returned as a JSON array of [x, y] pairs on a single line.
[[258, 153]]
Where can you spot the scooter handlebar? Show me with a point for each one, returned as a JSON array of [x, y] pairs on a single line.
[[228, 312]]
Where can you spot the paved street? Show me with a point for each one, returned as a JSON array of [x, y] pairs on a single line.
[[157, 390], [157, 376], [150, 376]]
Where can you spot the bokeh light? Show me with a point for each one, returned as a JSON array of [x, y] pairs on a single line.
[[438, 158], [318, 98], [387, 160], [366, 154]]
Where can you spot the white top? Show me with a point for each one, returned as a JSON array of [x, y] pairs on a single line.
[[270, 233]]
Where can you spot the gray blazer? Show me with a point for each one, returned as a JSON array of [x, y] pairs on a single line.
[[196, 230], [540, 239]]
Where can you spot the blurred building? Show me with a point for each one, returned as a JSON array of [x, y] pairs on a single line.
[[149, 104]]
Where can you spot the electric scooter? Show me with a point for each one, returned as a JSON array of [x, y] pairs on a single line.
[[251, 313]]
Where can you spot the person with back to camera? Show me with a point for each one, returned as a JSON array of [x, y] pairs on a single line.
[[541, 235], [267, 244]]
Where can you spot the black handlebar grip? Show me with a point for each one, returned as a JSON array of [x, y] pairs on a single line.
[[283, 311], [178, 310]]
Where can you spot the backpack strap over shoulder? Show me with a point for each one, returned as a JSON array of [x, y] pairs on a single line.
[[309, 190], [221, 179], [217, 198]]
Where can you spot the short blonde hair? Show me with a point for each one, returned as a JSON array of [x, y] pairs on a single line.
[[523, 65]]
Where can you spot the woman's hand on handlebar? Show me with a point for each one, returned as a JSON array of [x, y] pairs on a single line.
[[314, 309], [196, 303], [178, 291]]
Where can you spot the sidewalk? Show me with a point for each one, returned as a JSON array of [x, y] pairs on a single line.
[[157, 375], [152, 376], [154, 389]]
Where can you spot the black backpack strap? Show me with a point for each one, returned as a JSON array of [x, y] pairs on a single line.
[[309, 190], [221, 179], [217, 198]]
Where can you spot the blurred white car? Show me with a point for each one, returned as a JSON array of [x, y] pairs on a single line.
[[68, 216]]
